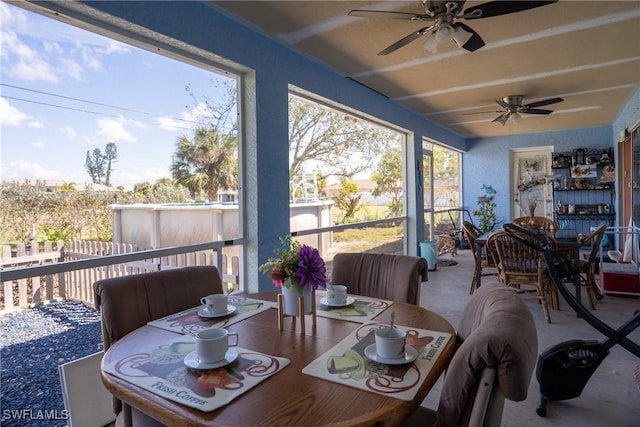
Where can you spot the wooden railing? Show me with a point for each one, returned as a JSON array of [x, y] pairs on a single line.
[[77, 283]]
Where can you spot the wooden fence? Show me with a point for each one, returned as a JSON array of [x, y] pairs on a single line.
[[78, 284]]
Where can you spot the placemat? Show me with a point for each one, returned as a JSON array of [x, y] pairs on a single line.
[[363, 309], [346, 363], [188, 321], [161, 370]]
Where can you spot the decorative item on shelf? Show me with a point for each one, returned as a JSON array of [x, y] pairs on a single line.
[[579, 156], [604, 158], [299, 271]]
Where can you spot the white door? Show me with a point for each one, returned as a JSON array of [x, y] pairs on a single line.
[[531, 180]]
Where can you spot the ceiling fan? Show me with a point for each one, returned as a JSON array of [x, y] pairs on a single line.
[[513, 108], [443, 29]]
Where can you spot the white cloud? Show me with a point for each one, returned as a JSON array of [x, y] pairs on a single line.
[[69, 132], [198, 114], [11, 116], [90, 57], [71, 68], [169, 123], [22, 62], [38, 144], [35, 124], [21, 169], [114, 130]]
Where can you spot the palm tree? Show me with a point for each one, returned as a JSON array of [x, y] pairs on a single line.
[[207, 164]]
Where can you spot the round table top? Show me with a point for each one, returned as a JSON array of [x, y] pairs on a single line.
[[289, 397]]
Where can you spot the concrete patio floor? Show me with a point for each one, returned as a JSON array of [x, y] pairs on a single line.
[[610, 398]]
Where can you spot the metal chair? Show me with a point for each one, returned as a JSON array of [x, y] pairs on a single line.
[[391, 277], [519, 264], [487, 259]]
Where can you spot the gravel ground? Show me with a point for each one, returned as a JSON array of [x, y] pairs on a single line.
[[33, 342]]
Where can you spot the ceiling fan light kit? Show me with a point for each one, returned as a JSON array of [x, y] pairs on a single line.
[[443, 14]]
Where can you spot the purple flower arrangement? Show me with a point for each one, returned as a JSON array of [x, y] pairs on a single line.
[[296, 265]]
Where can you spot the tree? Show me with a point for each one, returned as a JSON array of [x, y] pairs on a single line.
[[388, 179], [111, 156], [206, 164], [332, 142], [95, 164], [99, 166], [348, 200]]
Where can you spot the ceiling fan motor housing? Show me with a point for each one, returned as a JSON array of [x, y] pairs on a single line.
[[513, 101]]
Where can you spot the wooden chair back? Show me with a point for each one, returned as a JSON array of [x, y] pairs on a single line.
[[588, 266], [541, 223], [520, 264]]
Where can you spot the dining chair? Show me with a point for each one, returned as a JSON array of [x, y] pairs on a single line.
[[126, 303], [486, 258], [588, 267], [541, 223], [520, 264], [386, 276], [497, 352]]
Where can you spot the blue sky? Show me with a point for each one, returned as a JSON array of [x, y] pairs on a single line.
[[41, 57]]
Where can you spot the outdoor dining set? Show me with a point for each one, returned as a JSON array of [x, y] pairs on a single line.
[[178, 351]]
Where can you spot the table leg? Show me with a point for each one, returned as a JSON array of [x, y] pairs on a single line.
[[479, 247], [576, 276]]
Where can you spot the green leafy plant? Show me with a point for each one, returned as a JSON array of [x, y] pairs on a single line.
[[485, 209]]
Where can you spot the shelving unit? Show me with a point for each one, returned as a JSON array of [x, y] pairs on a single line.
[[583, 188]]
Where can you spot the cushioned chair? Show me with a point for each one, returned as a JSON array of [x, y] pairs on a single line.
[[391, 277], [495, 360], [129, 302], [487, 259]]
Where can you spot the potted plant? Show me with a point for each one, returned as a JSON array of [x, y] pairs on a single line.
[[485, 209]]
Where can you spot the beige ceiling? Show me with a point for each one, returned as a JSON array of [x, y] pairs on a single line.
[[586, 52]]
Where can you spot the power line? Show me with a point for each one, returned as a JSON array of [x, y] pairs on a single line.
[[91, 102], [76, 109]]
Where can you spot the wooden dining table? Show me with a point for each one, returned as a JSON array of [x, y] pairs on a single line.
[[290, 397]]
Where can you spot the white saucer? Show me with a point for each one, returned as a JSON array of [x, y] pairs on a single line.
[[203, 312], [192, 360], [410, 354], [325, 301]]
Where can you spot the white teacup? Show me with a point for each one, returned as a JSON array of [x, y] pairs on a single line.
[[212, 344], [337, 294], [216, 303], [390, 343]]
